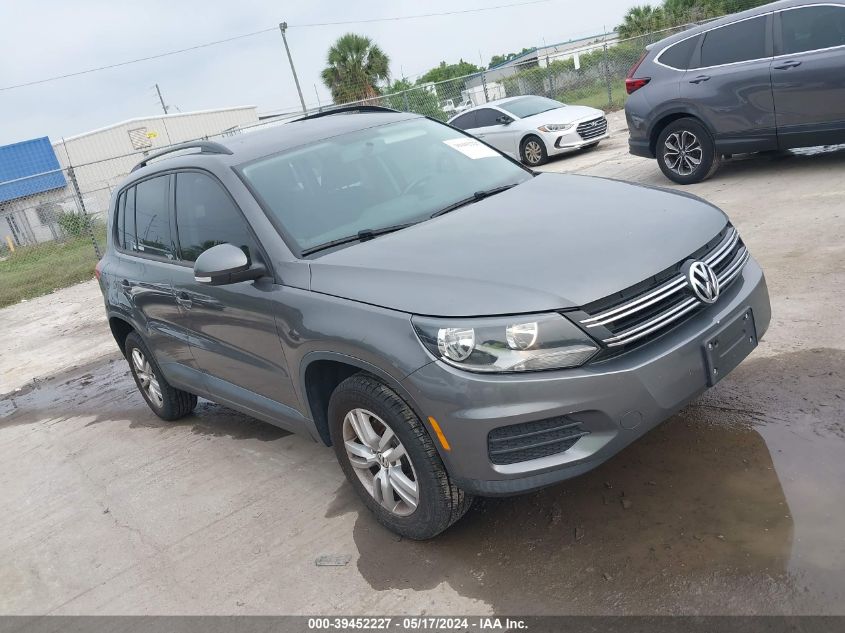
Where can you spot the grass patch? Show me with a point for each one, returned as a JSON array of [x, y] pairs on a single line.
[[32, 271], [595, 96]]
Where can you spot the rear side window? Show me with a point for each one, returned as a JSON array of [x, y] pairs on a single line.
[[206, 217], [812, 28], [738, 42], [465, 121], [152, 217], [679, 55]]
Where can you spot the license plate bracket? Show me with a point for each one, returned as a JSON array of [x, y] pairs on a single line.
[[729, 346]]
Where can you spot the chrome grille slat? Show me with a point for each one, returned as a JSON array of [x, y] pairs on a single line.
[[587, 130], [675, 307]]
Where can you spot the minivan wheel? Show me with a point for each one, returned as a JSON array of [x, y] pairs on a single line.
[[390, 460], [686, 153], [166, 401], [533, 151]]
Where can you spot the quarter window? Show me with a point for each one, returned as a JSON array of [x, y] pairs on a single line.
[[738, 42], [130, 242], [206, 217], [152, 217], [812, 28], [679, 55], [119, 219]]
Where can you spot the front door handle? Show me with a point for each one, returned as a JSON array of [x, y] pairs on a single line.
[[699, 79], [184, 300], [787, 65]]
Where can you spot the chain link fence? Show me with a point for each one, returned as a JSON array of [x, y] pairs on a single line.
[[52, 224]]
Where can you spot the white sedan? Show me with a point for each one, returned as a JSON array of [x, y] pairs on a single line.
[[533, 128]]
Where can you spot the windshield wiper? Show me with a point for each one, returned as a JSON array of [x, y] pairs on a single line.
[[362, 236], [478, 195]]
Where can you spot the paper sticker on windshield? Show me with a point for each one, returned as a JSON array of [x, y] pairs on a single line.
[[471, 148]]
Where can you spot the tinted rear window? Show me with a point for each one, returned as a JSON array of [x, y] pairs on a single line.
[[679, 55], [812, 28], [738, 42]]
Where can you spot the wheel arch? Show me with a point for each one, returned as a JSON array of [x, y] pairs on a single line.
[[321, 372], [121, 328], [666, 119]]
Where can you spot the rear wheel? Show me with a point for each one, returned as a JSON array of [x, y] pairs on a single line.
[[166, 401], [686, 153], [390, 460], [533, 151]]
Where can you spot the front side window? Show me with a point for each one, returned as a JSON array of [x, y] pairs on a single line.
[[206, 217], [812, 28], [738, 42], [529, 106], [152, 217], [373, 179]]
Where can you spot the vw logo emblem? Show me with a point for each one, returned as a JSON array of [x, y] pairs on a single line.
[[702, 280]]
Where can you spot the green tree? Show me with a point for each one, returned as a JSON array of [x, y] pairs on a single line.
[[405, 96], [501, 59], [641, 19], [446, 71], [355, 67]]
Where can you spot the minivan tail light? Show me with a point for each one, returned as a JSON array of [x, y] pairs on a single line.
[[632, 84]]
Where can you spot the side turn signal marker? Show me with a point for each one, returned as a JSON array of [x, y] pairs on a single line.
[[439, 433]]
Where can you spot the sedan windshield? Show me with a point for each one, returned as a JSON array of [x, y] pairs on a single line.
[[365, 181], [529, 106]]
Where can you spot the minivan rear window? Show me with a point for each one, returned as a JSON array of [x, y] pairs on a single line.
[[737, 42], [679, 55]]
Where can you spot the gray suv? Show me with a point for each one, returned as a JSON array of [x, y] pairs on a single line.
[[452, 323], [770, 78]]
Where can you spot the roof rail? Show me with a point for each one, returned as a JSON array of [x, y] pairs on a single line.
[[345, 110], [205, 147]]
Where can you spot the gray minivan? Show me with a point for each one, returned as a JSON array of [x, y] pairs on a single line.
[[452, 323], [771, 78]]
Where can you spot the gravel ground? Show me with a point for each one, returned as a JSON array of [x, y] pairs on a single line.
[[732, 506]]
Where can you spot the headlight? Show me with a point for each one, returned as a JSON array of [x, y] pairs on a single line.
[[506, 344], [555, 127]]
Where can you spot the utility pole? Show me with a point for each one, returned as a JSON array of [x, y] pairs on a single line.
[[161, 99], [283, 26]]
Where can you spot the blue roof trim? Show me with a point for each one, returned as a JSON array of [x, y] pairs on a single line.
[[28, 168]]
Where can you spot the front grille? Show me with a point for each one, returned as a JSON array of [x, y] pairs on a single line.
[[647, 311], [532, 440], [592, 129]]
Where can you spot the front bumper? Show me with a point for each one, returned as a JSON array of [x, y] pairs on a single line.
[[617, 400], [569, 141]]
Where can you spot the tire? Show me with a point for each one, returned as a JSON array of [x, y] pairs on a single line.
[[438, 502], [695, 144], [166, 401], [532, 151]]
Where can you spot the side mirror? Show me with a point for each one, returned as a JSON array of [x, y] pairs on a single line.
[[225, 264], [504, 119]]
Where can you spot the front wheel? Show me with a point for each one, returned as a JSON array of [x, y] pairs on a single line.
[[389, 458], [533, 151], [686, 153]]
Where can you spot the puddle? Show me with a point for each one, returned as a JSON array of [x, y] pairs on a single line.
[[732, 506], [105, 392]]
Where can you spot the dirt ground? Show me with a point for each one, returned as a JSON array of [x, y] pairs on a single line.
[[732, 506]]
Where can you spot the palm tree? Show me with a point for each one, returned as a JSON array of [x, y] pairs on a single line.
[[355, 67], [640, 20]]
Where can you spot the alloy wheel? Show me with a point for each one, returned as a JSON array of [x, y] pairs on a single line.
[[380, 461], [682, 152], [146, 377], [533, 152]]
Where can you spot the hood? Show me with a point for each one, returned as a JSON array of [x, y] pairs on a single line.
[[556, 241], [566, 114]]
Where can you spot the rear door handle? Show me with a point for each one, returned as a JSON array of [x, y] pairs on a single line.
[[184, 300], [699, 79], [787, 65]]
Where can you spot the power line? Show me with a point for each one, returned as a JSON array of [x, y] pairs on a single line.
[[255, 33]]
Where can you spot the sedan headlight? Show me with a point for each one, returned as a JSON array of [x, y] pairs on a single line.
[[555, 127], [506, 344]]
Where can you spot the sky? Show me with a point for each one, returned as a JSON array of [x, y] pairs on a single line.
[[46, 38]]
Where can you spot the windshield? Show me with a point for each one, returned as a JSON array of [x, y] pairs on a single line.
[[529, 106], [368, 180]]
